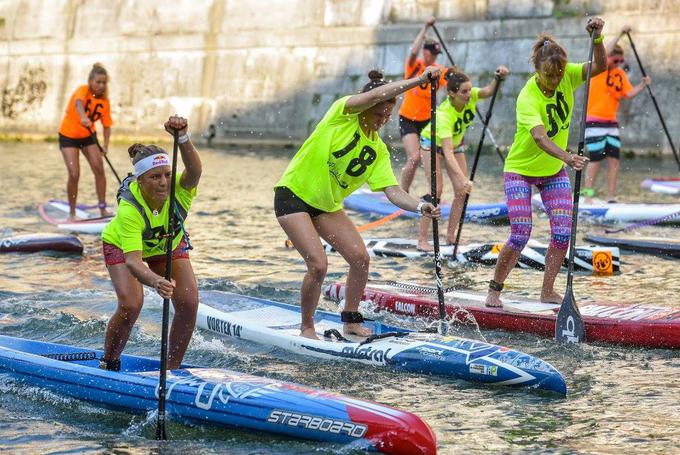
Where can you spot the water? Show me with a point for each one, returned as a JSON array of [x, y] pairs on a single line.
[[620, 400]]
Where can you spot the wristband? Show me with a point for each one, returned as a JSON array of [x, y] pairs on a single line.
[[599, 39], [183, 139], [419, 208]]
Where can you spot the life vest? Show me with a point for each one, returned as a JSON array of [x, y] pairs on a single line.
[[125, 193]]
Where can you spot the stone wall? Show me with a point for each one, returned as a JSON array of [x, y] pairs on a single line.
[[267, 70]]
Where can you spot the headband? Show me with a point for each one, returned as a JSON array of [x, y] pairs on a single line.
[[146, 164]]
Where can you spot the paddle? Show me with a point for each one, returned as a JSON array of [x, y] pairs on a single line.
[[93, 135], [476, 161], [569, 327], [433, 192], [160, 427], [441, 41], [630, 227], [656, 105]]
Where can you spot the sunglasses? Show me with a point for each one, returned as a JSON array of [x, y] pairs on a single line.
[[617, 61]]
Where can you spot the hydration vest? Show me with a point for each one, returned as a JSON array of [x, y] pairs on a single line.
[[148, 235]]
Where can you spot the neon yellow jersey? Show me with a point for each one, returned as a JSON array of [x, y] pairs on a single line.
[[335, 160], [451, 123], [126, 228], [554, 113]]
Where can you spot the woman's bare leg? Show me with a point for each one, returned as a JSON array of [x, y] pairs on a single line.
[[185, 303], [94, 158], [130, 301], [302, 232], [338, 230], [72, 161]]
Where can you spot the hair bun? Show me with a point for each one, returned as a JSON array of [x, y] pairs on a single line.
[[375, 75], [134, 149]]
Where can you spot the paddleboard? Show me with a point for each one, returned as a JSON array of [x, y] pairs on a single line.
[[88, 222], [600, 260], [211, 396], [604, 212], [650, 245], [629, 324], [366, 201], [32, 243], [663, 185], [278, 324]]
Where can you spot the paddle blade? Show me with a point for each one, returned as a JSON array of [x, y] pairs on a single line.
[[569, 327]]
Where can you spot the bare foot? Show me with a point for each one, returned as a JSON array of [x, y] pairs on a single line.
[[493, 300], [71, 218], [105, 212], [424, 245], [308, 332], [551, 297], [356, 329]]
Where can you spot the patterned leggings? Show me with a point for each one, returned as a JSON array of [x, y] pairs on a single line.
[[556, 195]]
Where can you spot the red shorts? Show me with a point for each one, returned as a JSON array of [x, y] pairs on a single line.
[[114, 255]]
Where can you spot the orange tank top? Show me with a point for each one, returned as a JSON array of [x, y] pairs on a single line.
[[95, 109], [416, 104], [606, 90]]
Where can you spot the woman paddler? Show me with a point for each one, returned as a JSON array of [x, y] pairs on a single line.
[[454, 115], [539, 156], [343, 152], [134, 245], [88, 104]]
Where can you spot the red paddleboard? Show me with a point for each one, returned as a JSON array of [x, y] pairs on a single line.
[[630, 324]]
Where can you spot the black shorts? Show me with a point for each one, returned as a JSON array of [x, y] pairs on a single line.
[[287, 202], [80, 143], [407, 126]]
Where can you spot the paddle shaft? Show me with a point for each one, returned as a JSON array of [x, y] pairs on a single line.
[[93, 135], [656, 105], [475, 162], [433, 192], [569, 325], [160, 427], [578, 174], [630, 227]]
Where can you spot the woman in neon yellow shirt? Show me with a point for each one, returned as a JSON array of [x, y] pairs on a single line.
[[138, 234], [538, 156], [343, 152], [454, 115]]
